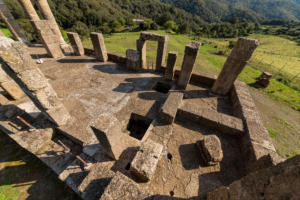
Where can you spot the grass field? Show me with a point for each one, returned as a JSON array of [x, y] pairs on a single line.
[[6, 32], [278, 51]]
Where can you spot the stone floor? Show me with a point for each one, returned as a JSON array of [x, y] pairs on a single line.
[[88, 88]]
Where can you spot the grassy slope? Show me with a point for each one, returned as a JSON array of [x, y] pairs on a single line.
[[6, 32], [213, 64]]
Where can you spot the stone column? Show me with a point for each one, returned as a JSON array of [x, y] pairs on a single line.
[[47, 14], [141, 46], [170, 70], [12, 25], [18, 64], [191, 54], [234, 65], [29, 9], [161, 55], [99, 46], [47, 37], [76, 43]]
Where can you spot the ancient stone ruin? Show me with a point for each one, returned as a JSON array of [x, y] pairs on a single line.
[[168, 133]]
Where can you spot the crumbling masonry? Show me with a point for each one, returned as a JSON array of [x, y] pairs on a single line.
[[172, 133]]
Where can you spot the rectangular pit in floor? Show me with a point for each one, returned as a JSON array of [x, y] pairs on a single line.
[[138, 126], [162, 87]]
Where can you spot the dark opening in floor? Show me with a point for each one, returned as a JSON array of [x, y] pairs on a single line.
[[162, 87], [127, 166], [171, 193], [138, 126], [169, 156]]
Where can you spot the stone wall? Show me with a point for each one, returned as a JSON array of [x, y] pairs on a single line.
[[18, 64], [277, 182]]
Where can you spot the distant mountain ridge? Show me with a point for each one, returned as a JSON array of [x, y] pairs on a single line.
[[216, 10]]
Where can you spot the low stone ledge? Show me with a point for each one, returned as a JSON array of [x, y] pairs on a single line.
[[203, 78], [146, 159], [169, 110], [212, 119], [122, 187], [275, 182], [114, 56], [118, 57]]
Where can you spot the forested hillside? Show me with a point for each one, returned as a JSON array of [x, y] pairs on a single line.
[[84, 16], [214, 10]]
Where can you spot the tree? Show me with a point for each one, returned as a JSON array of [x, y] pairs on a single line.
[[149, 21], [81, 29], [145, 26], [183, 28], [170, 25], [122, 21], [164, 18], [105, 29], [132, 23], [154, 26], [234, 20]]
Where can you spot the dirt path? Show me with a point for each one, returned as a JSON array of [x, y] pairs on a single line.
[[282, 122]]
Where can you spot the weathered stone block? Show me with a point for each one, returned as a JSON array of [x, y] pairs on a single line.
[[122, 187], [97, 180], [133, 60], [34, 79], [170, 70], [13, 89], [210, 119], [145, 161], [76, 43], [108, 131], [58, 115], [210, 149], [219, 194], [203, 78], [154, 37], [47, 98], [3, 100], [3, 76], [169, 110], [99, 46], [190, 111]]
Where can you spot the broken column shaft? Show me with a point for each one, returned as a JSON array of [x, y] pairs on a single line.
[[48, 38], [11, 24], [191, 54], [47, 14], [234, 65], [99, 46], [170, 70], [29, 9], [18, 64], [76, 43]]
